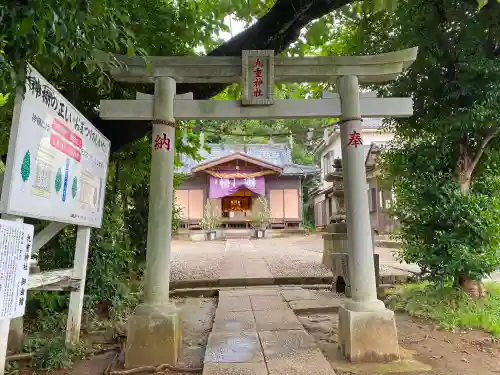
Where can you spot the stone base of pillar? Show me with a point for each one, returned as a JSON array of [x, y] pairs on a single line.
[[154, 336], [368, 336]]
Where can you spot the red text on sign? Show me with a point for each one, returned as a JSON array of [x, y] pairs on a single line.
[[355, 139], [162, 142], [258, 81], [59, 127], [59, 144]]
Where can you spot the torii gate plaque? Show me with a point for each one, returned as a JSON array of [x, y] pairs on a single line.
[[367, 329]]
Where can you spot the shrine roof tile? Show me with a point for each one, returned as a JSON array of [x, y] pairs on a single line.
[[278, 154]]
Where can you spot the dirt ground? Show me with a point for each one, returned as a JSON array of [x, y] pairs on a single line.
[[197, 320], [448, 353]]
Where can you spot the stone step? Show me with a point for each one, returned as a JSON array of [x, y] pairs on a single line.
[[251, 280], [237, 237], [214, 291], [234, 234]]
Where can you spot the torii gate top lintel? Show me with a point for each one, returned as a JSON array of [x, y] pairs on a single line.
[[228, 69]]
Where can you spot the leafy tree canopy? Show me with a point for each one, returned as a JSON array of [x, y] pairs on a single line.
[[444, 160]]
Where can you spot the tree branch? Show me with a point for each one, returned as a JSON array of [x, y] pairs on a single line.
[[490, 13], [276, 30], [491, 133]]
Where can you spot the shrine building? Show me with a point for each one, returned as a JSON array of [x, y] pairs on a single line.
[[233, 177]]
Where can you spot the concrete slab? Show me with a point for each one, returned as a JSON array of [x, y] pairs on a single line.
[[298, 294], [316, 305], [284, 344], [233, 321], [233, 347], [227, 292], [241, 303], [274, 320], [305, 362], [232, 269], [260, 291], [262, 303], [258, 368], [254, 261]]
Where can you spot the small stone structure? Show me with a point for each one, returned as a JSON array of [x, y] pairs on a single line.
[[335, 249]]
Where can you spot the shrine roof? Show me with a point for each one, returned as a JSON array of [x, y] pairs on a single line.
[[236, 156], [277, 155]]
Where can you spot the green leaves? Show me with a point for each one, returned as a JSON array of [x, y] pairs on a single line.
[[4, 99], [482, 3], [454, 85], [318, 32], [25, 27]]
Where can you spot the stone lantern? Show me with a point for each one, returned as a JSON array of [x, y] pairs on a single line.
[[335, 240]]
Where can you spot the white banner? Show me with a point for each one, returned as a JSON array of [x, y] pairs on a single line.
[[16, 240]]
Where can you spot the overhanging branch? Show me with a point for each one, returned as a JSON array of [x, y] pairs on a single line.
[[276, 30], [490, 134]]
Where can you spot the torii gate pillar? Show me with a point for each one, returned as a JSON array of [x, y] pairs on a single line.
[[154, 331], [367, 330]]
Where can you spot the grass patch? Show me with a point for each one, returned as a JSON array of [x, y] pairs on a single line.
[[448, 307]]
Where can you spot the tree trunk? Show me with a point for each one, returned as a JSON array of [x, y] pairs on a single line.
[[465, 167]]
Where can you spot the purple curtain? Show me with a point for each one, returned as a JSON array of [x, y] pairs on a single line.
[[222, 187]]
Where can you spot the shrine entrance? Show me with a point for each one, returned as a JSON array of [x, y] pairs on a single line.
[[367, 330], [237, 208]]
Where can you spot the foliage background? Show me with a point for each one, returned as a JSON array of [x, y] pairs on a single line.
[[59, 39], [444, 159]]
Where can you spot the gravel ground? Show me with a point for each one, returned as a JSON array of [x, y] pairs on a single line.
[[289, 256], [292, 256], [196, 260]]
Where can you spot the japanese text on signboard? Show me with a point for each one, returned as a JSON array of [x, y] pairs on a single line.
[[258, 79], [65, 112], [16, 239]]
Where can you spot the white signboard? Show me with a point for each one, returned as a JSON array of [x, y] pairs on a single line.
[[57, 161], [16, 240]]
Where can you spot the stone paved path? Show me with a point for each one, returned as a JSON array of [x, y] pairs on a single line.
[[256, 333], [242, 261]]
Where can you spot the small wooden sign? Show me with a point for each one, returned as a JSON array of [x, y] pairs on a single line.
[[258, 77]]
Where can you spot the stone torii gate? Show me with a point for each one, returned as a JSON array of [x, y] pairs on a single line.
[[367, 329]]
